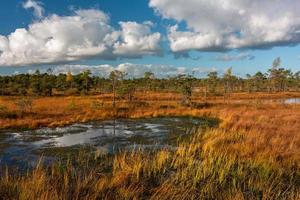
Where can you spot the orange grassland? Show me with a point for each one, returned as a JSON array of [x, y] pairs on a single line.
[[261, 128], [252, 154]]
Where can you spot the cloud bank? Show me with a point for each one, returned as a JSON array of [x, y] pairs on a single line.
[[132, 70], [85, 34], [238, 57], [219, 25]]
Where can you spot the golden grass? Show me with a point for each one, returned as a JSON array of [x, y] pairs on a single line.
[[193, 171], [263, 129], [60, 111], [253, 154]]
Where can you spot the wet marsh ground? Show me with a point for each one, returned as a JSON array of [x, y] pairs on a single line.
[[19, 148], [253, 153], [61, 111]]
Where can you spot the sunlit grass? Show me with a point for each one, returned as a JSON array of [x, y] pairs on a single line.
[[194, 170], [60, 111], [252, 154]]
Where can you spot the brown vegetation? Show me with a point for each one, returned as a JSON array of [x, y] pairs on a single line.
[[34, 112], [253, 154]]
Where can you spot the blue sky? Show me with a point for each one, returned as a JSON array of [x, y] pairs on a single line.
[[247, 54]]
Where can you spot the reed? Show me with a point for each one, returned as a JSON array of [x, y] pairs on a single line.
[[61, 111], [195, 170], [252, 154]]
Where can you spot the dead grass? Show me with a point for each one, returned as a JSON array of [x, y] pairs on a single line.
[[253, 154], [60, 111], [196, 170]]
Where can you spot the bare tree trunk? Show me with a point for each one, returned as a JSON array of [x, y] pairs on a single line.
[[114, 93], [225, 92], [205, 95]]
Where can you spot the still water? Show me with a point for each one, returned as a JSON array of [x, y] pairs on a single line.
[[21, 148], [291, 101], [286, 101]]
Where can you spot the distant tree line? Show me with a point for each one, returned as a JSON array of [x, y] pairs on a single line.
[[277, 79]]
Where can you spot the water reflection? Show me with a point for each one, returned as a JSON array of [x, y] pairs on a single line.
[[283, 101], [106, 136], [292, 101], [270, 101]]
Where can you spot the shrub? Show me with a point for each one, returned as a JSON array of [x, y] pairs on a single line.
[[166, 107], [200, 105], [24, 104], [72, 105], [97, 105], [71, 91], [3, 108]]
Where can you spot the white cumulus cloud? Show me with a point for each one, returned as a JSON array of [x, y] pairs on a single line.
[[137, 36], [85, 34], [36, 6], [218, 25]]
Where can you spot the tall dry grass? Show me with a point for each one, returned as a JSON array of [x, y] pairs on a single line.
[[60, 111], [193, 171], [253, 154]]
